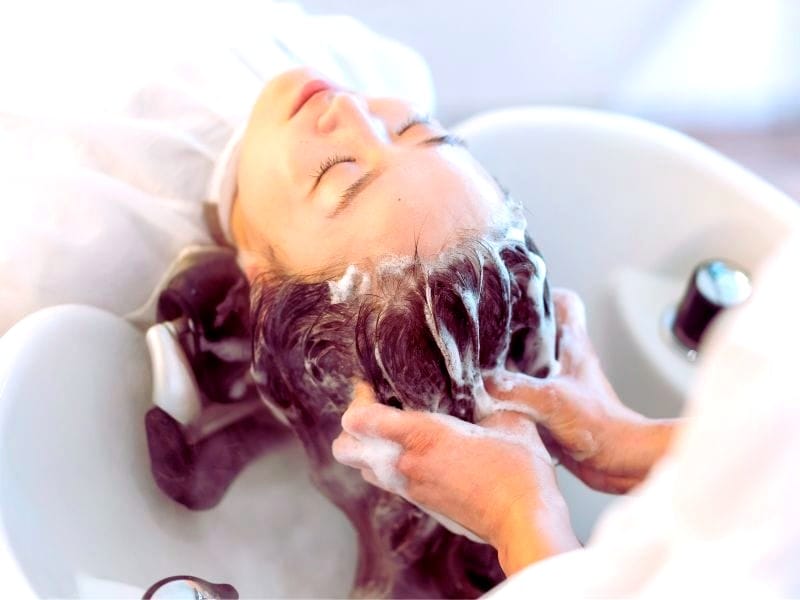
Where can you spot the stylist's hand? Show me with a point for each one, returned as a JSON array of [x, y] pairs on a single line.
[[607, 445], [494, 478]]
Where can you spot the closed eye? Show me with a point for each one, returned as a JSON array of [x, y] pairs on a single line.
[[411, 122], [327, 164], [367, 178]]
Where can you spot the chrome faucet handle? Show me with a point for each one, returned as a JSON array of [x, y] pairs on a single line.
[[714, 286]]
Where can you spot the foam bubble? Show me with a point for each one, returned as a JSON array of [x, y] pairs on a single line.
[[444, 341], [452, 357], [510, 223], [518, 407], [258, 376], [238, 388], [502, 379], [228, 349], [391, 263], [451, 525], [381, 455], [546, 334], [484, 403], [343, 288], [386, 376]]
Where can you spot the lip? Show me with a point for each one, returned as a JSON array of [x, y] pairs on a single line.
[[307, 91]]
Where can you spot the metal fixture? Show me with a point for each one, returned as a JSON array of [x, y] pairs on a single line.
[[715, 285]]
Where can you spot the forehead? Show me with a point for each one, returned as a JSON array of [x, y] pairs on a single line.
[[421, 203]]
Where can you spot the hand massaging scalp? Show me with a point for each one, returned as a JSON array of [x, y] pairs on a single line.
[[382, 455]]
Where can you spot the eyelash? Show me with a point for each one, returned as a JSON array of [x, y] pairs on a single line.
[[338, 158], [330, 162], [411, 121]]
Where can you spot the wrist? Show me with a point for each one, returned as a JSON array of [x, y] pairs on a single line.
[[646, 441], [533, 534], [659, 433]]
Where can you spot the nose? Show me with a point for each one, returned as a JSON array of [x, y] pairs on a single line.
[[349, 114]]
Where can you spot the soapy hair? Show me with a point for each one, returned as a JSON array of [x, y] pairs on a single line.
[[421, 332]]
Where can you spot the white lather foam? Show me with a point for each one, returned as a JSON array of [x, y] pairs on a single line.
[[381, 456], [353, 281], [546, 352], [451, 525], [486, 405]]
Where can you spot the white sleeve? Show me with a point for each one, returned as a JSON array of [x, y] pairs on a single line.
[[718, 516]]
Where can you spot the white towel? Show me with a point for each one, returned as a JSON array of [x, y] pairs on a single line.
[[107, 154]]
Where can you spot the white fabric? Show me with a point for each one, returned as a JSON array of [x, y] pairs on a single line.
[[222, 187], [110, 127], [718, 517]]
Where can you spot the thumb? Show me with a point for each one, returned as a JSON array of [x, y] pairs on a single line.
[[574, 347], [570, 310], [510, 423], [541, 395], [356, 418], [363, 394]]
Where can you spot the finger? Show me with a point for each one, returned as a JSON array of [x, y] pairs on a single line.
[[355, 419], [410, 429], [574, 346], [348, 451], [538, 396], [510, 422], [521, 427], [598, 480], [570, 310]]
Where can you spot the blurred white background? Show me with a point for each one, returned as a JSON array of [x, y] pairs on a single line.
[[726, 71], [720, 63]]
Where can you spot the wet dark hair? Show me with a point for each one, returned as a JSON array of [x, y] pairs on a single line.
[[420, 332]]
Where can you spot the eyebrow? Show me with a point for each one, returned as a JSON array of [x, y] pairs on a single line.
[[360, 184]]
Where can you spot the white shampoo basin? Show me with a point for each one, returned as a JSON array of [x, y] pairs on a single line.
[[621, 209]]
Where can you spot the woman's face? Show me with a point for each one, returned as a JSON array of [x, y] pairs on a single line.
[[328, 177]]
